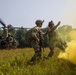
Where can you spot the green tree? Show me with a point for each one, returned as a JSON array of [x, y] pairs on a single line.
[[1, 31], [20, 36], [11, 29]]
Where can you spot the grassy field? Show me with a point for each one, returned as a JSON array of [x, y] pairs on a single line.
[[15, 62]]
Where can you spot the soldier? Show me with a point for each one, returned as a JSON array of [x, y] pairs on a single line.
[[15, 43], [55, 40], [9, 41], [33, 37]]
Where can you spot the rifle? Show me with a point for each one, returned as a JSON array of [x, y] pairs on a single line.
[[41, 40], [41, 43]]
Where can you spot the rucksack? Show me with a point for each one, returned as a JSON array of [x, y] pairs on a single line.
[[28, 35]]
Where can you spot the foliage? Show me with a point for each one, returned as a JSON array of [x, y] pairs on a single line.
[[1, 31], [20, 36], [15, 62], [11, 29]]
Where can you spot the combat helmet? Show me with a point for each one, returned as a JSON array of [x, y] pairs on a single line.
[[39, 22], [50, 23]]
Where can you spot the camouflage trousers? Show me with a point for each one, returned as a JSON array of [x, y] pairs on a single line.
[[57, 43], [37, 50]]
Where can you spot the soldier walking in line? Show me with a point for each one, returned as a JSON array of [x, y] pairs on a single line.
[[55, 40], [33, 38]]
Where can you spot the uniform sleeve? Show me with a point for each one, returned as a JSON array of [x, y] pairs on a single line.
[[42, 32], [34, 32]]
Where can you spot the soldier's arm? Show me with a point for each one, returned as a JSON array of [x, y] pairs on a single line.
[[34, 34], [44, 33], [55, 26]]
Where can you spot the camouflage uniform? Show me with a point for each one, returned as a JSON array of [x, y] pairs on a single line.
[[9, 41], [55, 40], [31, 35], [15, 43]]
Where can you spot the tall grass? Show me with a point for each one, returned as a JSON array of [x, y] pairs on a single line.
[[15, 62]]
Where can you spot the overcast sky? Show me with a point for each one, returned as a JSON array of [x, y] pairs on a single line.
[[25, 12]]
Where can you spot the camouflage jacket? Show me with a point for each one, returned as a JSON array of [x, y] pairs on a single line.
[[34, 32]]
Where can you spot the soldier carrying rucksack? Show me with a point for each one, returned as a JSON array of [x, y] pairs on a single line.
[[33, 38]]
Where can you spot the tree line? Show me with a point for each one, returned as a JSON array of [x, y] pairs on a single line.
[[19, 34]]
